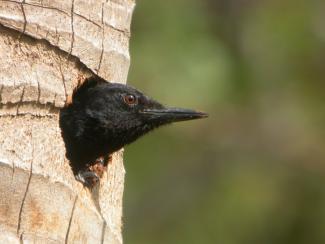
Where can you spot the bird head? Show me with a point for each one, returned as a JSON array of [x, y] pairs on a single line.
[[115, 114]]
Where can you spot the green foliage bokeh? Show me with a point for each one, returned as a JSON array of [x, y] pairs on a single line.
[[253, 172]]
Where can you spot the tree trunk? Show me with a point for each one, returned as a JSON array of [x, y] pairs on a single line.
[[46, 47]]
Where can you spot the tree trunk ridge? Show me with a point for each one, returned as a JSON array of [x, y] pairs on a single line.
[[46, 48]]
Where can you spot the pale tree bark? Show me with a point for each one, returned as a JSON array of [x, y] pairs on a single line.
[[46, 47]]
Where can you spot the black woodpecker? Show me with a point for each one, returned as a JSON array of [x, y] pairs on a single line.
[[103, 117]]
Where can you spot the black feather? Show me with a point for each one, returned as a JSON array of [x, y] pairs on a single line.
[[103, 117]]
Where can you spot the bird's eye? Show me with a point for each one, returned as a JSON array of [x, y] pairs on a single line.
[[130, 99]]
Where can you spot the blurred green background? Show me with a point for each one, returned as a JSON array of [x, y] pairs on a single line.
[[254, 171]]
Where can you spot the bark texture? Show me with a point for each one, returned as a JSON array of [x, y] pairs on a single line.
[[46, 47]]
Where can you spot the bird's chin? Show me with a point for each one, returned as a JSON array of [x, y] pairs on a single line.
[[137, 132]]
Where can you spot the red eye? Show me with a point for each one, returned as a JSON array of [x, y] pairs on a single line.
[[130, 99]]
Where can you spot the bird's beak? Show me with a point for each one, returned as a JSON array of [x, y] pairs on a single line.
[[174, 114]]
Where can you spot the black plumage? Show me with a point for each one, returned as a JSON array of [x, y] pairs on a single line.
[[103, 117]]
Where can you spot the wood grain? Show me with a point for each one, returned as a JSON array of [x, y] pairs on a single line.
[[46, 47]]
